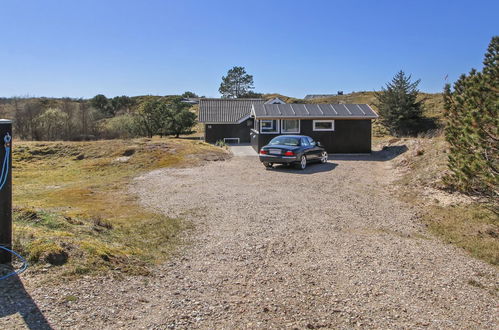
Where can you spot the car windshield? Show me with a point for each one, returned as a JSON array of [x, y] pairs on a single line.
[[285, 141]]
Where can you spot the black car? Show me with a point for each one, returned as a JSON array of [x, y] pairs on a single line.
[[292, 149]]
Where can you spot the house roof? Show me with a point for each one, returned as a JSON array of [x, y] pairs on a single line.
[[333, 111], [226, 111]]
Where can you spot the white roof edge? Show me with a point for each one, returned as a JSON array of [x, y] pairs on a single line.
[[372, 110]]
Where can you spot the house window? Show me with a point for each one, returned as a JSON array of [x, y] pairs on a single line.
[[269, 126], [290, 126], [323, 125]]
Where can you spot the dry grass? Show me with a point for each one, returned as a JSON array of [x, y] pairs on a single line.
[[455, 218], [472, 227], [72, 197]]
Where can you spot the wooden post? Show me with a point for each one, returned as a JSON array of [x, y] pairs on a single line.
[[6, 191]]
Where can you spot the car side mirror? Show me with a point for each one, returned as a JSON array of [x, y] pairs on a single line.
[[318, 144]]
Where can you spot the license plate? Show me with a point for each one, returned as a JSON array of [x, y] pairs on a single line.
[[275, 151]]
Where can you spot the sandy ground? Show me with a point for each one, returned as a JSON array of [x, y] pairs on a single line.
[[328, 247]]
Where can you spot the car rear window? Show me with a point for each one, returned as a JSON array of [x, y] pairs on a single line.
[[285, 140]]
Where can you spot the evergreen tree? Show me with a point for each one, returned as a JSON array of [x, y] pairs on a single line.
[[472, 112], [398, 106], [236, 84], [178, 118]]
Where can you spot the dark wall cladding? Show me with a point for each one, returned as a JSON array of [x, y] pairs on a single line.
[[349, 136], [215, 132]]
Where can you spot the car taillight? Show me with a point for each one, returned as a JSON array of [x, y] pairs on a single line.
[[289, 153], [263, 152]]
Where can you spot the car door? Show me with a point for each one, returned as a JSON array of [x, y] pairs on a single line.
[[315, 151], [307, 148]]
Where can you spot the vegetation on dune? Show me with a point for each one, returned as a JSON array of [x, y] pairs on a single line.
[[46, 119], [472, 130], [398, 105], [73, 207], [466, 160], [454, 218]]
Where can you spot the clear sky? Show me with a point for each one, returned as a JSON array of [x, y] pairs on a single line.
[[82, 48]]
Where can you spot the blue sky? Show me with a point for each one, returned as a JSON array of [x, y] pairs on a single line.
[[82, 48]]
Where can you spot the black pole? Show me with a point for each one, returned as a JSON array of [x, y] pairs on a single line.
[[6, 191]]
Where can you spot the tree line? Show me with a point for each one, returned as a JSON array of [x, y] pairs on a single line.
[[99, 117]]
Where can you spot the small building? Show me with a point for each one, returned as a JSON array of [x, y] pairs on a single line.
[[228, 120], [341, 128]]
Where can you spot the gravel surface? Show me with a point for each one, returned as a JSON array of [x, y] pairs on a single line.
[[328, 247]]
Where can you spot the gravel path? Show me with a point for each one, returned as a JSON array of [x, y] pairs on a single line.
[[328, 247]]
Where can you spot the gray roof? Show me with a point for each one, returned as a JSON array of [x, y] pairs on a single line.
[[225, 111], [338, 111]]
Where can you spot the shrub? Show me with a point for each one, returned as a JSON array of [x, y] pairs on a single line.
[[221, 144], [123, 127]]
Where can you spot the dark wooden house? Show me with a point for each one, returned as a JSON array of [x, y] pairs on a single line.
[[341, 128], [228, 120]]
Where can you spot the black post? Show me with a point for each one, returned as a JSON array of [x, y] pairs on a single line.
[[5, 190]]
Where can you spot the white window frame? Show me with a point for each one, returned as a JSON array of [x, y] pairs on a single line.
[[323, 129], [276, 129], [238, 140], [295, 132]]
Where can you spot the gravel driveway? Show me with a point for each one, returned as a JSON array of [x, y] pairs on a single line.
[[326, 247]]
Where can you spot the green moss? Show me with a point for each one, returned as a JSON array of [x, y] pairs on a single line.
[[38, 247]]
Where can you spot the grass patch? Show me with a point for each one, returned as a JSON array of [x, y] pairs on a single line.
[[72, 201], [471, 227]]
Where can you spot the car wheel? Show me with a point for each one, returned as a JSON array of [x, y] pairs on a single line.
[[324, 157], [267, 165], [303, 163]]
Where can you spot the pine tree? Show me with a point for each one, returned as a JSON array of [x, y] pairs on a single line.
[[472, 112], [398, 106], [237, 83]]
